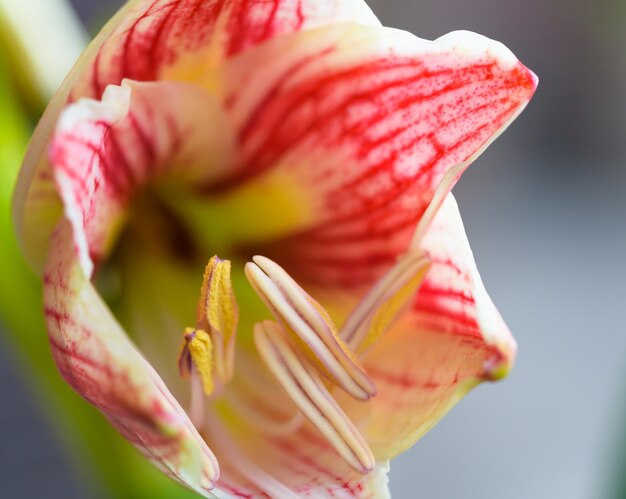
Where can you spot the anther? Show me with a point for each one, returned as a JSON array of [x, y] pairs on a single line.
[[196, 356], [195, 361], [218, 314], [208, 349]]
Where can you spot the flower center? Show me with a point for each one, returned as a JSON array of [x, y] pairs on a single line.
[[304, 350]]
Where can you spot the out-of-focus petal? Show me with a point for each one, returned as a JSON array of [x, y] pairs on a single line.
[[452, 339], [96, 358], [362, 123], [36, 203], [105, 152], [184, 39]]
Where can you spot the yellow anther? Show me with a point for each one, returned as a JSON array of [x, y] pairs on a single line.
[[218, 314], [196, 356], [210, 345]]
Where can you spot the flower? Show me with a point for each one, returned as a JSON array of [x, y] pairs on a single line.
[[303, 131]]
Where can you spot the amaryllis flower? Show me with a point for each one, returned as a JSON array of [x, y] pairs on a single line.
[[306, 153]]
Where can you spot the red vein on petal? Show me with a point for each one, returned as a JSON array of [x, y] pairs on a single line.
[[158, 35], [147, 143], [324, 86]]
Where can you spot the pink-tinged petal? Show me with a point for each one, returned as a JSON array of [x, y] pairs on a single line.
[[158, 39], [184, 39], [264, 445], [96, 358], [363, 123], [141, 135], [306, 465], [36, 204], [452, 339], [453, 299]]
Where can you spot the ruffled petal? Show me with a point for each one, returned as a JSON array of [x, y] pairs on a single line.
[[36, 204], [360, 124], [162, 135], [96, 358], [151, 40], [449, 341]]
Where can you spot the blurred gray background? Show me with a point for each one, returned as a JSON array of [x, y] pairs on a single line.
[[545, 211]]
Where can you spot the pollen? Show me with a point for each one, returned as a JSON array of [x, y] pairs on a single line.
[[218, 313], [196, 356], [207, 351]]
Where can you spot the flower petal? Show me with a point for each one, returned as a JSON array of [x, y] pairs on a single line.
[[36, 204], [452, 339], [259, 444], [302, 463], [96, 358], [184, 39], [159, 39], [305, 464], [362, 123], [104, 152]]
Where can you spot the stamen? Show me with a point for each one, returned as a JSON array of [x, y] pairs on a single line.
[[196, 361], [308, 392], [210, 345], [373, 315], [198, 402], [196, 356], [218, 314], [309, 327]]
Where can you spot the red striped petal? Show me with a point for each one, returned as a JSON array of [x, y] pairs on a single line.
[[261, 438], [185, 38], [96, 358], [450, 340], [159, 39], [104, 153], [36, 204], [365, 122], [452, 298], [306, 464]]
